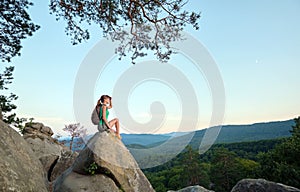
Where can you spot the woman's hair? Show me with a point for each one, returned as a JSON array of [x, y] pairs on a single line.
[[101, 100]]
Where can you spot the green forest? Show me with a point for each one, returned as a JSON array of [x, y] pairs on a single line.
[[223, 165]]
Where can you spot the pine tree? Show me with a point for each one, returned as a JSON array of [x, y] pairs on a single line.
[[282, 163]]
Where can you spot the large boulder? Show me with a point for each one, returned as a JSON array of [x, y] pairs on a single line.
[[72, 181], [115, 168], [195, 188], [20, 170], [55, 157], [261, 185]]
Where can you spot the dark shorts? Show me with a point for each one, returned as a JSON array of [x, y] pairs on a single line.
[[103, 127]]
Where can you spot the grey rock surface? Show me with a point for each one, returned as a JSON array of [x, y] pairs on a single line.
[[65, 161], [261, 185], [74, 182], [195, 188], [20, 170]]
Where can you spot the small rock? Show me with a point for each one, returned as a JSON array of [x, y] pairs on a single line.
[[29, 130], [47, 130], [261, 185], [195, 188], [35, 125]]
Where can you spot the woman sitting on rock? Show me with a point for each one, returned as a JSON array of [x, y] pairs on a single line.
[[104, 103]]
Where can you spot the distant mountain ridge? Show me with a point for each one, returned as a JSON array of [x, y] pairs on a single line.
[[255, 132], [228, 134], [143, 139]]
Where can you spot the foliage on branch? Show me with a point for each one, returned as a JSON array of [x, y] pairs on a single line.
[[6, 101], [153, 24], [15, 25]]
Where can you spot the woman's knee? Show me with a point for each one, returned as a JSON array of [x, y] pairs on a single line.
[[115, 120]]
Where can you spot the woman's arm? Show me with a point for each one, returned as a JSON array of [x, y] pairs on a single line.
[[104, 116], [110, 104]]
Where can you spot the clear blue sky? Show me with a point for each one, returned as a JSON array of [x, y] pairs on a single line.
[[255, 44]]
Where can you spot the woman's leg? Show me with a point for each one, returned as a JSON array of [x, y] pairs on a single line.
[[115, 122]]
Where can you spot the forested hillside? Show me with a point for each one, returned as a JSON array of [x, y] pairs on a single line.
[[253, 132], [224, 164]]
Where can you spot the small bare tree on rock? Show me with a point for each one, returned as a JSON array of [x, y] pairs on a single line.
[[75, 131]]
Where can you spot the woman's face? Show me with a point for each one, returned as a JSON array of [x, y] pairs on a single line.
[[106, 101]]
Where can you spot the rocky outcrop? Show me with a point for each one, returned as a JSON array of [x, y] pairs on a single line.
[[34, 129], [55, 157], [261, 185], [115, 168], [195, 188], [20, 170]]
